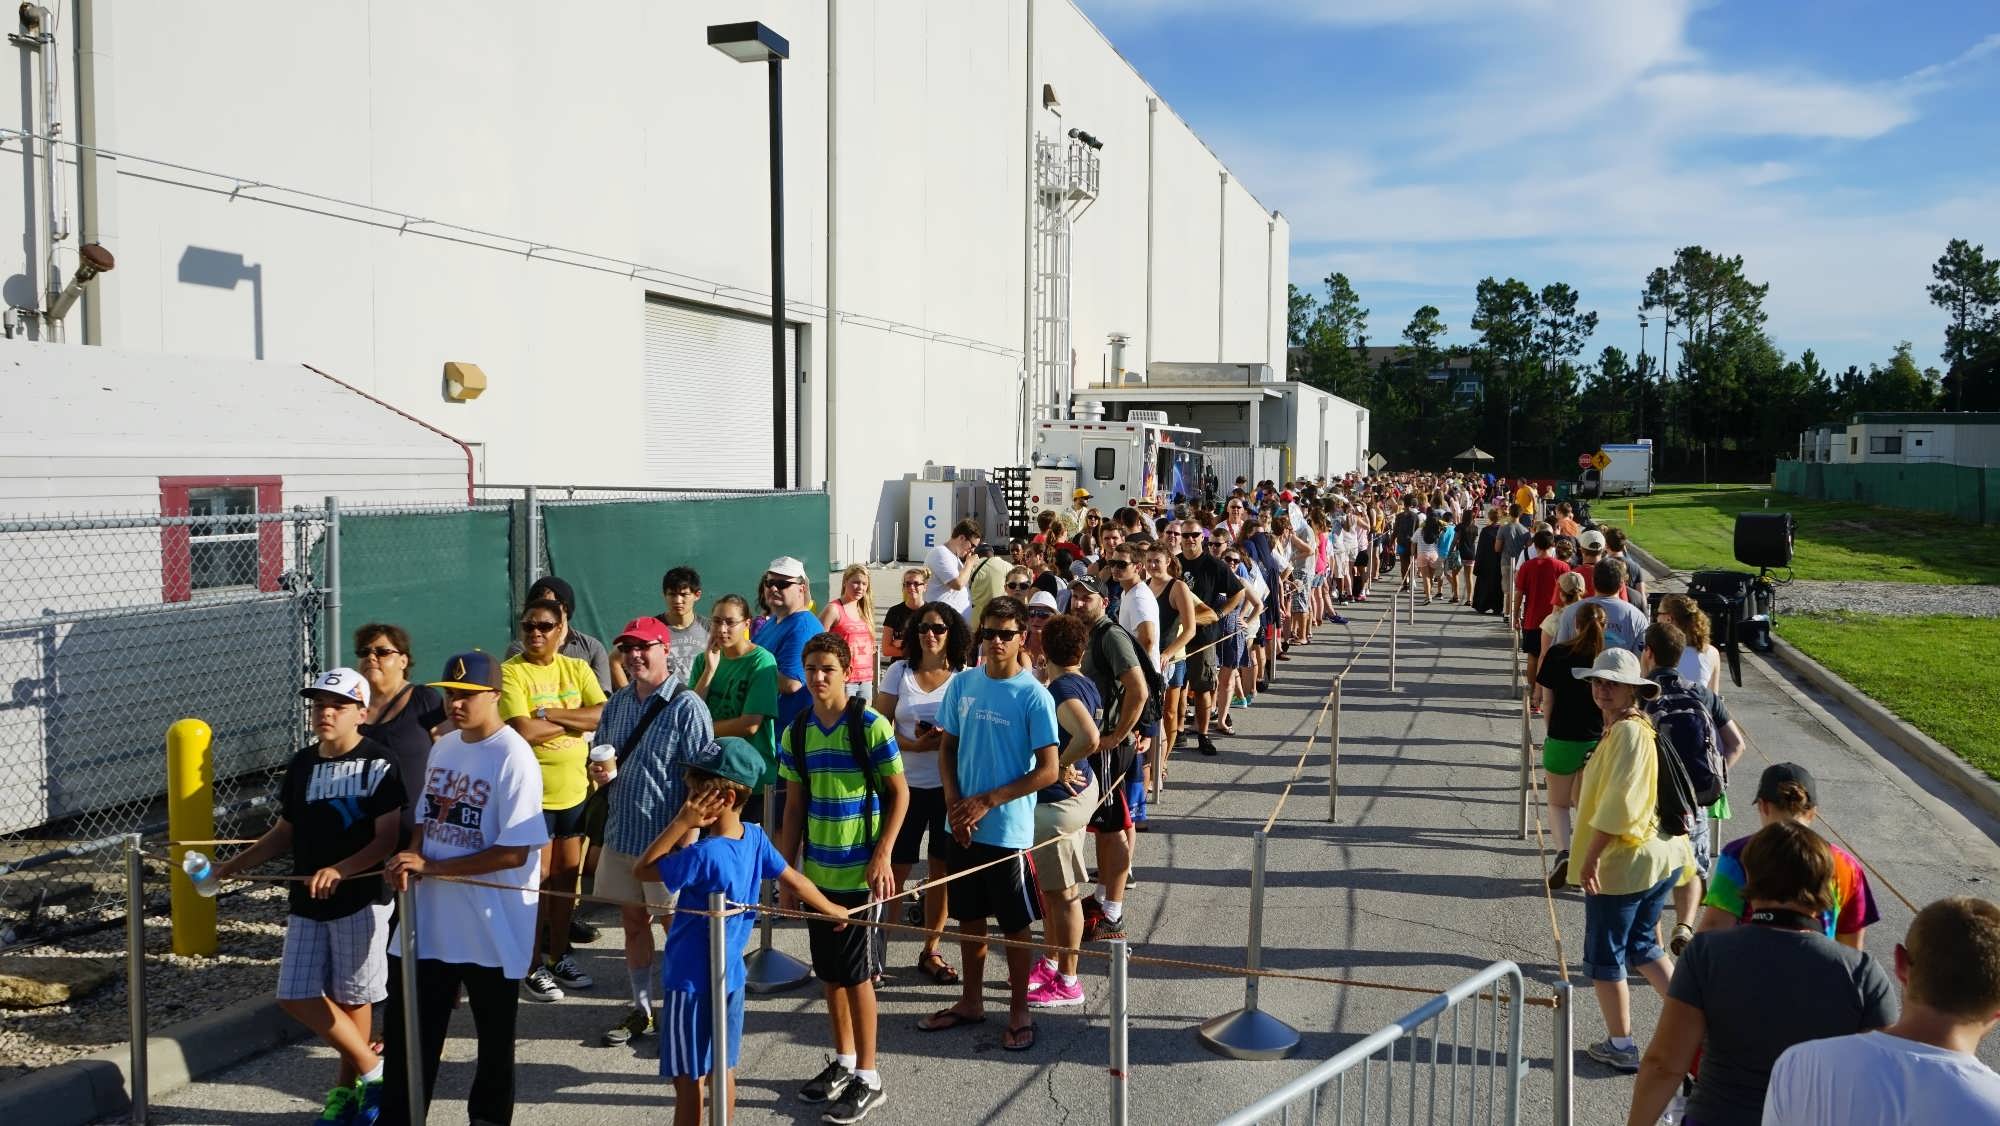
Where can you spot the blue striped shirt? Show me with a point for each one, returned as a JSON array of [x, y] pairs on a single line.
[[843, 821], [648, 791]]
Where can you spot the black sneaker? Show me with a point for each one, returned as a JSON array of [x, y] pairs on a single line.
[[1204, 744], [855, 1103], [1559, 872], [828, 1084], [582, 933]]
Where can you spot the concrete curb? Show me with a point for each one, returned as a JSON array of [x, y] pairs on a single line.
[[84, 1090], [1949, 768]]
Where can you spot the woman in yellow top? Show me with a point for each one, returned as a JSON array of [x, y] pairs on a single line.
[[553, 701], [1626, 868]]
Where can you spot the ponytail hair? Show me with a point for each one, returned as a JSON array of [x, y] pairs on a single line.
[[1589, 639]]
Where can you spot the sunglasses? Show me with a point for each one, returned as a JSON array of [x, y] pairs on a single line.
[[1020, 586], [378, 652], [914, 584], [1232, 559], [1002, 635], [780, 584], [935, 629], [1041, 615], [634, 646], [540, 627], [1213, 545]]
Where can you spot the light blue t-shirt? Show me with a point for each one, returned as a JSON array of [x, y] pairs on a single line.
[[1624, 624], [785, 639], [999, 725]]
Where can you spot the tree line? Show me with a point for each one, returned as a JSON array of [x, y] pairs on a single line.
[[1717, 397]]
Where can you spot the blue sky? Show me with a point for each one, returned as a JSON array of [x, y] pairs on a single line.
[[1420, 145]]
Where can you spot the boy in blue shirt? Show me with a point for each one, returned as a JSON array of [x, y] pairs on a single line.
[[734, 859]]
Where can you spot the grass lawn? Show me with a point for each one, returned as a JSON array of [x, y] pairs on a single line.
[[1692, 528], [1935, 672]]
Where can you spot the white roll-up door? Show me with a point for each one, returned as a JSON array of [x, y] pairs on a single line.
[[708, 398]]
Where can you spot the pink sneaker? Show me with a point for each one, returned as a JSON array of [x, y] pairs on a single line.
[[1055, 995], [1043, 973]]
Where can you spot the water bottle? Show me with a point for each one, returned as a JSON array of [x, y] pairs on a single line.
[[200, 873]]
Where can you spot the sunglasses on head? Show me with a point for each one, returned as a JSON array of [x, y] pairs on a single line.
[[998, 634]]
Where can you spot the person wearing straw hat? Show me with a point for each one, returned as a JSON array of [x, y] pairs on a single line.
[[1624, 866], [482, 819], [339, 815]]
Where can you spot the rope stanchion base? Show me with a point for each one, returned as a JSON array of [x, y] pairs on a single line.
[[1249, 1034], [773, 971]]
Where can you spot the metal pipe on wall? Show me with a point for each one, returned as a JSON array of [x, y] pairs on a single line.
[[1033, 396], [96, 174], [52, 181]]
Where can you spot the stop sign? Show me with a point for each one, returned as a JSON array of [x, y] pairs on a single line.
[[1583, 461]]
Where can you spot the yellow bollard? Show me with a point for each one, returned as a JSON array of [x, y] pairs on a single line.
[[191, 817], [1631, 513]]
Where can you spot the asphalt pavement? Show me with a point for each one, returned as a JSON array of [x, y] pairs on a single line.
[[1421, 882]]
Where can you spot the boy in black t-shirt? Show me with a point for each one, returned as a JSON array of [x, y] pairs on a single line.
[[340, 815]]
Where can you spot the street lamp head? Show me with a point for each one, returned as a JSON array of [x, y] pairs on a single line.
[[748, 42]]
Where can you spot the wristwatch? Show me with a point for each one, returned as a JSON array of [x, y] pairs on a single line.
[[542, 714]]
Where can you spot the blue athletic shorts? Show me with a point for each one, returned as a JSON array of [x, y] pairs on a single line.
[[1177, 675], [687, 1039]]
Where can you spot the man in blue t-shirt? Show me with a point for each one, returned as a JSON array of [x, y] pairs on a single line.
[[783, 633], [999, 749], [1624, 624]]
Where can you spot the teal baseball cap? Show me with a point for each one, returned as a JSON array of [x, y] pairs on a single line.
[[733, 759]]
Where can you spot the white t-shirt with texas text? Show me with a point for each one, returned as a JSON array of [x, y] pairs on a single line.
[[477, 796]]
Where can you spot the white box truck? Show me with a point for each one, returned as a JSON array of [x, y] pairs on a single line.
[[1624, 470], [1142, 460]]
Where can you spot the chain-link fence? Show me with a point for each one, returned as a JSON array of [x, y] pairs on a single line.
[[113, 627]]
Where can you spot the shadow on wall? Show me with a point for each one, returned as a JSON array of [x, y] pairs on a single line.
[[222, 269], [892, 515]]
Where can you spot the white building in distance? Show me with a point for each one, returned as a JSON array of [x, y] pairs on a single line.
[[574, 201]]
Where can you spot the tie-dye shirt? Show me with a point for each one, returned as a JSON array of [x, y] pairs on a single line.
[[1853, 907]]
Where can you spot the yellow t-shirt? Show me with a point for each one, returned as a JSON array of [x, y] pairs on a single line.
[[1620, 796], [565, 682], [1525, 497]]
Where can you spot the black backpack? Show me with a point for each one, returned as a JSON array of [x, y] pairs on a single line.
[[1675, 803], [1683, 720], [1156, 686], [857, 744]]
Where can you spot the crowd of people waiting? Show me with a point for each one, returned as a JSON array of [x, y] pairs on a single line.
[[1018, 700]]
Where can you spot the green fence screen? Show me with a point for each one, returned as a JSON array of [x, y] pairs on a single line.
[[1967, 492], [615, 553], [445, 577]]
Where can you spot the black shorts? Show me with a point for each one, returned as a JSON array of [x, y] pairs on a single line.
[[925, 816], [1531, 641], [1114, 813], [1005, 893], [562, 823], [851, 956]]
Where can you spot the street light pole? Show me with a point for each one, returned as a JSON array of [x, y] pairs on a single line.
[[754, 43], [1640, 429]]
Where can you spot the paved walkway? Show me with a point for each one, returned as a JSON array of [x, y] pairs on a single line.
[[1421, 882]]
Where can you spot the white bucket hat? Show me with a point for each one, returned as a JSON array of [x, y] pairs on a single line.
[[1618, 666]]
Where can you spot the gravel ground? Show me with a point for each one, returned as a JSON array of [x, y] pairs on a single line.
[[1891, 599], [251, 932]]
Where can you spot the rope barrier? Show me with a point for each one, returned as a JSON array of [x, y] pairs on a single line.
[[1823, 819], [1326, 703]]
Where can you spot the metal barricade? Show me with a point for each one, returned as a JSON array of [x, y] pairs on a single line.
[[1421, 1067]]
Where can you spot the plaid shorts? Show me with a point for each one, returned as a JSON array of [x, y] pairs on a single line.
[[344, 960]]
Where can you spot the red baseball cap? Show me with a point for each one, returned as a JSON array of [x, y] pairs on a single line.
[[645, 629]]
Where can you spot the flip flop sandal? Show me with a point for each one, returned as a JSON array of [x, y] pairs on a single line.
[[1021, 1045], [933, 966], [951, 1019]]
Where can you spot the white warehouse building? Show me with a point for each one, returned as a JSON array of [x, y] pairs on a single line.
[[978, 194]]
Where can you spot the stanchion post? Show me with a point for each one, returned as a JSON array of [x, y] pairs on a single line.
[[191, 817], [768, 969], [718, 992], [406, 966], [1527, 760], [1563, 1057], [135, 970], [1249, 1033], [1393, 595], [330, 645], [1121, 1065], [1333, 756], [1514, 643]]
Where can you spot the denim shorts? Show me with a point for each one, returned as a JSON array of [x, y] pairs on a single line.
[[1618, 930], [1177, 674]]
